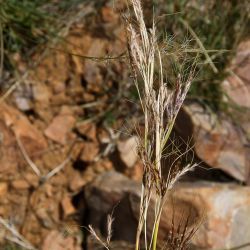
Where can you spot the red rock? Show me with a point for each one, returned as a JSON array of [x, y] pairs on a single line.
[[8, 152], [60, 127], [88, 130], [32, 140], [57, 241], [218, 144], [76, 182], [108, 15], [225, 209], [3, 189], [89, 152], [67, 207], [219, 211], [20, 184], [237, 90], [128, 151]]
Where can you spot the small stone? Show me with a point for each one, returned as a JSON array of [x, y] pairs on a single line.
[[57, 241], [108, 15], [3, 189], [88, 130], [32, 179], [76, 182], [41, 93], [20, 184], [60, 127], [31, 138], [128, 151], [67, 207], [89, 152]]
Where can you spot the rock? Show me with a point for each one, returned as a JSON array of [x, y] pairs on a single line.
[[237, 90], [76, 182], [87, 130], [225, 209], [8, 152], [111, 191], [32, 139], [216, 142], [23, 103], [3, 189], [60, 127], [219, 211], [41, 93], [67, 207], [20, 184], [237, 86], [57, 241], [89, 152], [32, 179], [23, 97], [128, 151], [242, 60], [108, 15]]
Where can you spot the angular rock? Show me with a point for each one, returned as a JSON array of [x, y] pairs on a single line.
[[20, 184], [8, 153], [108, 15], [57, 241], [3, 189], [112, 191], [31, 138], [220, 211], [216, 141], [128, 151], [225, 209], [67, 207], [76, 182], [88, 130], [60, 127], [89, 152], [237, 86]]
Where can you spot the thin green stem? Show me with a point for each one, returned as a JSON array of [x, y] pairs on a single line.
[[156, 227]]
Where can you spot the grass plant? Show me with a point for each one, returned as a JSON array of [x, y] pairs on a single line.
[[161, 101]]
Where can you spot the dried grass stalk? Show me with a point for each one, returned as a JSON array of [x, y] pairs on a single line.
[[160, 105]]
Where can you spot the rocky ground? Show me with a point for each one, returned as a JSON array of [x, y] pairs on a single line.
[[67, 158]]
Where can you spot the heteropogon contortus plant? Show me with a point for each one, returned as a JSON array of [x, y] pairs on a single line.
[[161, 104]]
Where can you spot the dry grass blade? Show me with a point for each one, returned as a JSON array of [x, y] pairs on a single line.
[[105, 244], [16, 237], [27, 158], [43, 178], [95, 236]]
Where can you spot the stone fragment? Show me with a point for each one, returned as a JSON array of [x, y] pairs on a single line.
[[216, 141], [31, 138], [60, 127], [3, 189], [57, 241], [108, 15], [88, 130], [225, 208], [20, 184], [76, 182], [220, 212], [128, 151], [89, 151], [67, 207]]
